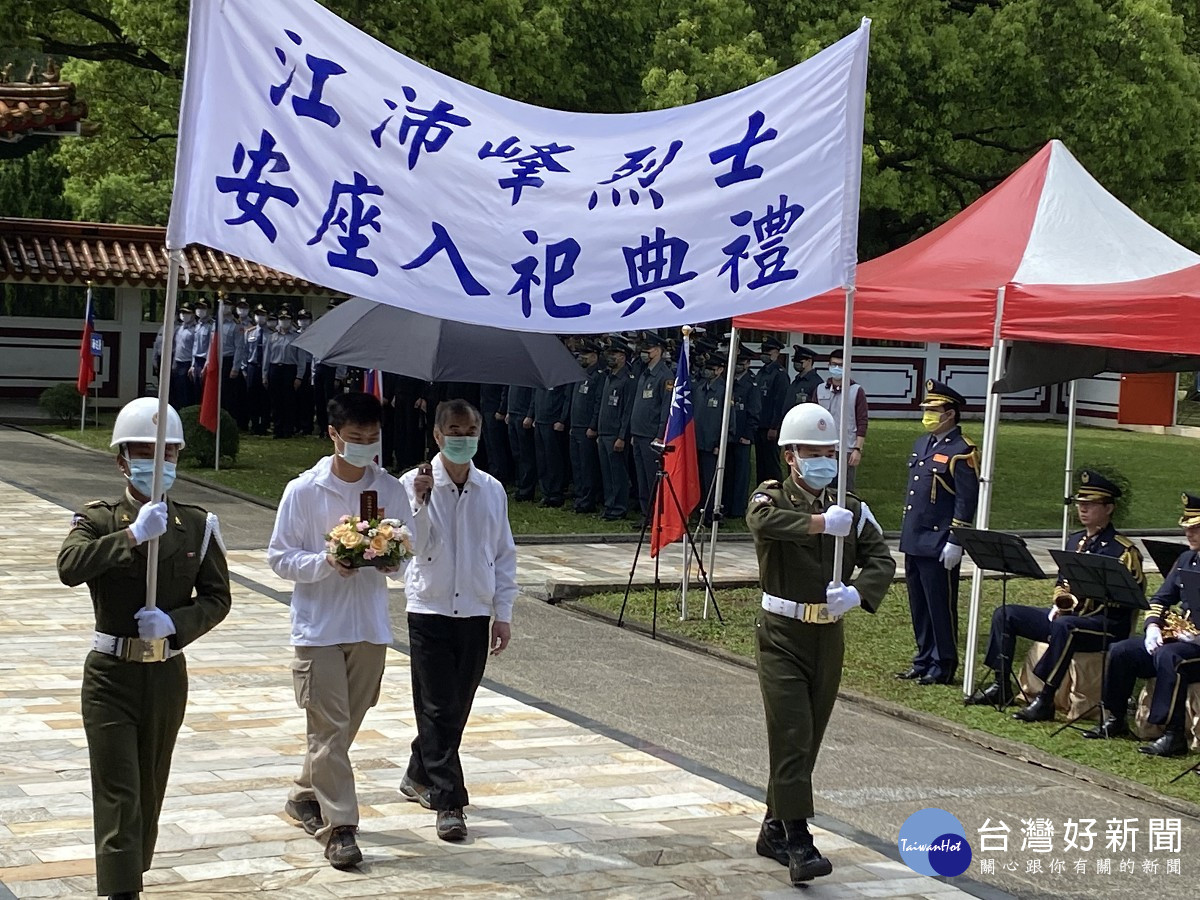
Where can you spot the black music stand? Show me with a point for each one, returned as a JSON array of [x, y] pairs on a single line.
[[1099, 578], [996, 551], [1164, 553]]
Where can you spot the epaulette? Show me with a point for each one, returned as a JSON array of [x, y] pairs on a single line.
[[771, 485], [1124, 541], [970, 443], [93, 504]]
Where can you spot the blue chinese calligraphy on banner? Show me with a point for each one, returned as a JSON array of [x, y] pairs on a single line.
[[308, 146]]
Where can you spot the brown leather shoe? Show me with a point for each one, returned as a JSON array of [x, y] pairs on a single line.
[[342, 850]]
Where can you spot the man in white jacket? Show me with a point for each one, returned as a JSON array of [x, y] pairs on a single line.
[[340, 625], [460, 594]]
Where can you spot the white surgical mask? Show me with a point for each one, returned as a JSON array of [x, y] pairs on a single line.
[[360, 455], [243, 311], [202, 314], [260, 320], [818, 471]]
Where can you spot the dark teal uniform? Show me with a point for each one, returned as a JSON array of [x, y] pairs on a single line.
[[132, 710], [613, 412], [648, 422], [799, 661], [773, 389]]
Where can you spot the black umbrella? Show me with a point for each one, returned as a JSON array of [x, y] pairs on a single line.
[[370, 335]]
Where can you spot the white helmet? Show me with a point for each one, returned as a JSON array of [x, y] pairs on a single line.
[[808, 423], [137, 423]]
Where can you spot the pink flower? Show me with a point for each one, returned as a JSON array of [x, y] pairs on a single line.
[[362, 526], [344, 519], [369, 554]]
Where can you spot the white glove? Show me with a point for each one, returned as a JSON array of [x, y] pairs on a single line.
[[841, 598], [151, 522], [1188, 638], [153, 624], [1153, 638], [1053, 614], [838, 521], [951, 555]]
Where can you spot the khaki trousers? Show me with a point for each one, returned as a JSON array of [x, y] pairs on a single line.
[[799, 670], [335, 686]]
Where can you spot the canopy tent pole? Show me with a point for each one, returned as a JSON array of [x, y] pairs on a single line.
[[719, 485], [991, 417], [175, 258], [1073, 393], [839, 544]]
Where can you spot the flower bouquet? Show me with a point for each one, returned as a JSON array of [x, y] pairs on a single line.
[[382, 543]]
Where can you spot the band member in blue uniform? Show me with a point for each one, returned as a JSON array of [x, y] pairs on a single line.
[[1168, 652], [1073, 624]]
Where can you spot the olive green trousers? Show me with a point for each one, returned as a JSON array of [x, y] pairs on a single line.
[[799, 670]]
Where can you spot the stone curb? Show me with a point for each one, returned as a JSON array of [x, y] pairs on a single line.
[[1004, 746]]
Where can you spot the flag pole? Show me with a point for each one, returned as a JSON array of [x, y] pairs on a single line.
[[687, 559], [839, 543], [175, 260], [220, 371], [87, 311]]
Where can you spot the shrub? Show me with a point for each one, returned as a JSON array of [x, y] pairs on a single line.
[[202, 443], [62, 402]]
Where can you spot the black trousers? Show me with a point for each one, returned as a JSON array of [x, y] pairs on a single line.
[[258, 407], [615, 477], [131, 716], [551, 462], [233, 392], [645, 463], [524, 451], [708, 475], [499, 454], [448, 658], [323, 391], [304, 408], [933, 605], [1066, 636], [766, 457], [585, 467], [736, 493], [281, 391], [181, 386], [1175, 666]]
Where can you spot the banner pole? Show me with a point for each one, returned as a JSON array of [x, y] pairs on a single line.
[[839, 543], [175, 258]]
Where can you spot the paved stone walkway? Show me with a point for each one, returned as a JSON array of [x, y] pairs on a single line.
[[558, 810]]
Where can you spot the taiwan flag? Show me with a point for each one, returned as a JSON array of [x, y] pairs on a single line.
[[373, 383], [682, 465], [86, 367], [210, 396]]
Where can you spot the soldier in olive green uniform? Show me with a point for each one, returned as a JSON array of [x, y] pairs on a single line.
[[799, 628], [135, 679]]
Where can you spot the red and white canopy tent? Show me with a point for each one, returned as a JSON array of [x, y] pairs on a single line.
[[1047, 256]]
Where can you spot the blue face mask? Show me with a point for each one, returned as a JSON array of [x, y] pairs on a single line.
[[459, 450], [818, 471], [141, 475], [835, 371]]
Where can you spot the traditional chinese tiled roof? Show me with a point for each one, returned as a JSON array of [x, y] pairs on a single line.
[[27, 109], [52, 252]]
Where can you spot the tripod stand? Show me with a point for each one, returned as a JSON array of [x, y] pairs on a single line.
[[1007, 554], [662, 479], [1105, 579]]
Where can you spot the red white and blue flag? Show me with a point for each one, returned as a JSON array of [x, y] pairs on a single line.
[[86, 367], [682, 465], [373, 383]]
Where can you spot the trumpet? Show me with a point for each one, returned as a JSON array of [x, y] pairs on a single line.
[[1177, 627], [1064, 599]]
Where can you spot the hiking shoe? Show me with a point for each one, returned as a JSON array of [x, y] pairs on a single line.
[[417, 793], [772, 841], [307, 813], [451, 825], [342, 850]]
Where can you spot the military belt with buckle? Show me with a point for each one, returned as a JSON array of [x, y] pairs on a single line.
[[812, 613], [134, 649]]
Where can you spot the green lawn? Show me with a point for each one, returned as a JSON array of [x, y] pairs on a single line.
[[1029, 473], [877, 646]]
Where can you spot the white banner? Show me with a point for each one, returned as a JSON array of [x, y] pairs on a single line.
[[310, 147]]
